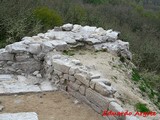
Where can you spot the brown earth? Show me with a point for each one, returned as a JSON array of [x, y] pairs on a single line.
[[49, 106]]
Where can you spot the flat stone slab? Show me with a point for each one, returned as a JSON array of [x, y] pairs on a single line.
[[10, 84], [19, 116]]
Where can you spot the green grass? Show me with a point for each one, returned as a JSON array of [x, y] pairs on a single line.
[[141, 107], [135, 75]]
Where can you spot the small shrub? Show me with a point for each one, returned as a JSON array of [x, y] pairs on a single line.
[[141, 107], [68, 52], [49, 18]]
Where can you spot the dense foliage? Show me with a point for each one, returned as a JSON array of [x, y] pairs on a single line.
[[137, 20]]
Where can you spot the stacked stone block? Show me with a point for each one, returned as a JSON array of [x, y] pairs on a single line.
[[37, 53]]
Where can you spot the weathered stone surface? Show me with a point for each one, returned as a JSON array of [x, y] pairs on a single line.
[[61, 66], [70, 40], [63, 81], [96, 108], [57, 28], [112, 34], [74, 86], [76, 28], [104, 89], [47, 46], [118, 47], [76, 62], [1, 108], [41, 35], [57, 72], [77, 95], [78, 82], [112, 117], [66, 76], [92, 41], [22, 57], [88, 29], [67, 27], [5, 77], [100, 31], [35, 73], [39, 75], [59, 45], [17, 47], [19, 116], [116, 108], [97, 99], [95, 75], [10, 84], [59, 69], [47, 86], [4, 55], [72, 70], [28, 66], [9, 62], [82, 89], [94, 81], [72, 78], [35, 48], [132, 118], [83, 78]]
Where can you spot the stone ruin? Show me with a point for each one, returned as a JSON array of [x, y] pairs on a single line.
[[41, 56]]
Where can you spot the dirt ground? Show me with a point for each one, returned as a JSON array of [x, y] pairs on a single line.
[[111, 68], [49, 106]]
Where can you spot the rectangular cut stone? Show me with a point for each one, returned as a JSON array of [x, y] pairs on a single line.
[[74, 86], [57, 72], [83, 78], [115, 107], [61, 66], [78, 95], [72, 78], [98, 99], [82, 89], [17, 47], [23, 57], [104, 89], [94, 81], [66, 76], [5, 77], [72, 70], [62, 80], [4, 55], [92, 41], [47, 86], [96, 108], [59, 45], [95, 75], [47, 46], [19, 116], [83, 99], [28, 66], [78, 82], [35, 48]]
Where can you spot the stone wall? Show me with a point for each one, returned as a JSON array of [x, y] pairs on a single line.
[[83, 83], [39, 53]]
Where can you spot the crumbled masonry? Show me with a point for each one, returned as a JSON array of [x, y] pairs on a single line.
[[41, 57]]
